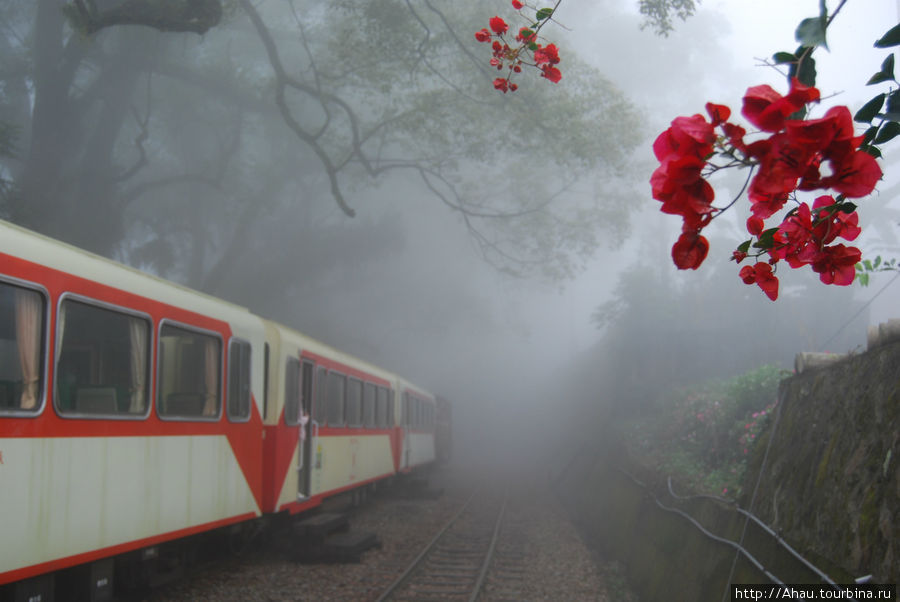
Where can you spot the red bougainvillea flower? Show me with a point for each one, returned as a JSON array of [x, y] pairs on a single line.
[[690, 250], [755, 225], [855, 176], [517, 5], [498, 25], [761, 274], [767, 109], [483, 35], [794, 235], [546, 55], [552, 73], [718, 113], [836, 264], [687, 136], [834, 223], [501, 84]]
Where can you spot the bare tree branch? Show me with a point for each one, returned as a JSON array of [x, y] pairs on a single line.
[[197, 16]]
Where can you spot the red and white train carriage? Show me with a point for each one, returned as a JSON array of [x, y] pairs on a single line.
[[135, 412]]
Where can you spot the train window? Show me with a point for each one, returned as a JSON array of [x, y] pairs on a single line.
[[336, 385], [391, 407], [320, 410], [369, 405], [190, 373], [292, 391], [239, 380], [381, 407], [102, 361], [354, 402], [22, 327]]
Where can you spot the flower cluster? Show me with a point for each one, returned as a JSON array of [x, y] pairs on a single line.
[[525, 49], [754, 426], [790, 159]]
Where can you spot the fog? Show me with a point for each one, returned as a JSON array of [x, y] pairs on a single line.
[[489, 232]]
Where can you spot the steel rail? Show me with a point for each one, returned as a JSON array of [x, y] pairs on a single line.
[[418, 559], [490, 553], [407, 576]]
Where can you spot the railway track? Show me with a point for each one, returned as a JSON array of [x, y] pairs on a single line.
[[456, 563]]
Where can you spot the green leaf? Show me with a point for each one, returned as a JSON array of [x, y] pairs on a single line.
[[891, 38], [877, 261], [811, 32], [847, 207], [804, 69], [878, 78], [766, 239], [868, 111], [886, 74], [544, 13], [869, 135], [887, 132], [873, 150], [866, 264], [887, 67], [780, 58], [744, 246]]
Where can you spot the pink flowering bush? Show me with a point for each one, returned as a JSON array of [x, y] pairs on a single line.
[[702, 435]]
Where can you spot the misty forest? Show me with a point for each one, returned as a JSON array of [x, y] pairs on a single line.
[[349, 169]]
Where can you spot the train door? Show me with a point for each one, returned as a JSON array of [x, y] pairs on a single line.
[[306, 425]]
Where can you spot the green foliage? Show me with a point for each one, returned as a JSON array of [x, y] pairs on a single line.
[[866, 268], [659, 14], [702, 435], [891, 38]]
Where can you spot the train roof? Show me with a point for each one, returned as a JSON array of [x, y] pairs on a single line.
[[31, 246]]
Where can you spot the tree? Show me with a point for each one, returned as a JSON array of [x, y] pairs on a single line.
[[371, 90]]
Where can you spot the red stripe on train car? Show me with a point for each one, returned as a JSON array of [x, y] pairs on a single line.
[[245, 438]]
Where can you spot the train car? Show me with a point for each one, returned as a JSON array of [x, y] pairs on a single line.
[[136, 414], [331, 426], [129, 411], [418, 411]]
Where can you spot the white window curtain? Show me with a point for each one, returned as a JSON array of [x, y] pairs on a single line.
[[28, 339], [138, 332]]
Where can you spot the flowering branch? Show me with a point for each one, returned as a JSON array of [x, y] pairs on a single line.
[[525, 51], [788, 161]]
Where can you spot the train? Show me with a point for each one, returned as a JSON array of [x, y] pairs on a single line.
[[136, 413]]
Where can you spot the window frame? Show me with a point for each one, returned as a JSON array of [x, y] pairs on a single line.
[[343, 422], [57, 349], [240, 342], [196, 330], [350, 381], [290, 363], [369, 419], [44, 386]]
